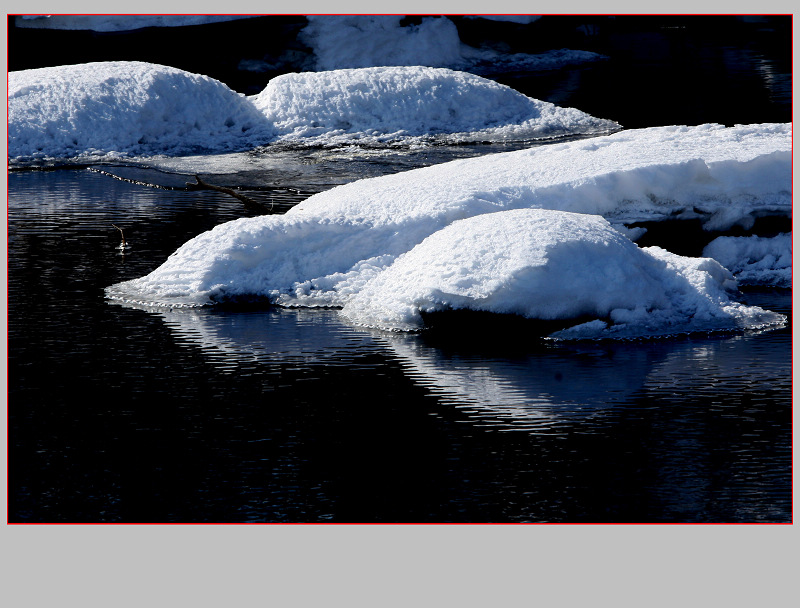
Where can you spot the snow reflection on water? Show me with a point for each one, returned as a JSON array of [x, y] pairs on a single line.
[[534, 388], [292, 335]]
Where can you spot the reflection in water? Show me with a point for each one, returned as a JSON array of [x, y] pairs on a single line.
[[272, 335], [534, 389], [531, 391], [694, 420]]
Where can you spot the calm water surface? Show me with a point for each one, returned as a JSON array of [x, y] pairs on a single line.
[[123, 414]]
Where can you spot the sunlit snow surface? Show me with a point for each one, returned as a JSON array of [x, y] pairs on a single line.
[[120, 108], [523, 232], [545, 264], [116, 109], [402, 103]]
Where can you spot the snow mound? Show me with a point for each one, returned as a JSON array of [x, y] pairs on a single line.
[[334, 247], [105, 110], [390, 103], [549, 265], [755, 260], [126, 108], [360, 41], [722, 175]]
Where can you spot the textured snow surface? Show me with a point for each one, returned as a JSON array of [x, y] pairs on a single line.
[[378, 104], [112, 109], [387, 248], [755, 260], [722, 175], [126, 108], [545, 264]]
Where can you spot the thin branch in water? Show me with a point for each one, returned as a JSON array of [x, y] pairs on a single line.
[[124, 243], [250, 203]]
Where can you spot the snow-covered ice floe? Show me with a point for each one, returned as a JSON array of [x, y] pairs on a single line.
[[359, 41], [120, 108], [116, 109], [545, 264], [755, 260], [524, 232], [397, 103]]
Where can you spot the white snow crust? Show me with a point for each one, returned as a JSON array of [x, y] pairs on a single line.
[[358, 41], [126, 108], [544, 264], [386, 248], [116, 109], [755, 260], [391, 103]]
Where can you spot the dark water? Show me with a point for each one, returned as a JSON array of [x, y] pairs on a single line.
[[118, 414]]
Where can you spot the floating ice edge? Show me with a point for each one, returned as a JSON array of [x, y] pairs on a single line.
[[383, 249]]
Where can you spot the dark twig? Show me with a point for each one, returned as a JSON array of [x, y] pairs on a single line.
[[250, 203], [123, 244]]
